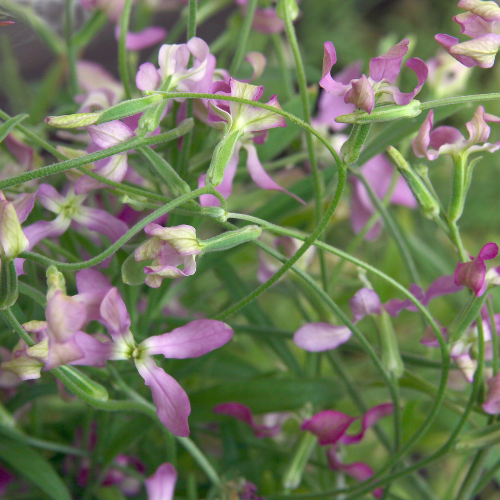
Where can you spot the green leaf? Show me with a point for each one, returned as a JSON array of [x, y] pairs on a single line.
[[36, 469], [266, 395]]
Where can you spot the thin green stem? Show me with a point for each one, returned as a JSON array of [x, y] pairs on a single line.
[[44, 261], [243, 38], [494, 335], [487, 478], [70, 48], [191, 31], [122, 49], [463, 99], [474, 474], [317, 177]]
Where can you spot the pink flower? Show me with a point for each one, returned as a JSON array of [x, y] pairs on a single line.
[[318, 337], [161, 485], [491, 404], [449, 140], [481, 24], [142, 39], [365, 91], [472, 274]]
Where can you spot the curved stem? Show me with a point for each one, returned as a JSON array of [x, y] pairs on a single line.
[[463, 99], [45, 261]]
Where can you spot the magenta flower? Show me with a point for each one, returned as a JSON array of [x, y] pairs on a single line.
[[378, 172], [449, 140], [481, 24], [161, 485], [70, 210], [251, 124], [472, 274], [364, 303], [330, 427], [244, 414], [364, 92], [169, 248], [189, 341]]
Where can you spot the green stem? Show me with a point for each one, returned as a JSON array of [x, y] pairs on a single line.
[[487, 478], [45, 261], [463, 99], [474, 474], [494, 336], [243, 38], [70, 49], [317, 177], [191, 31], [122, 49]]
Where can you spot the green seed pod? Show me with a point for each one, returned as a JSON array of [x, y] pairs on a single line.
[[81, 385], [230, 239], [8, 284], [351, 148], [222, 155], [128, 108], [390, 355], [291, 7], [429, 205], [73, 121], [382, 113]]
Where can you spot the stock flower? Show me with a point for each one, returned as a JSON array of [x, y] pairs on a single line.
[[481, 24], [472, 274], [70, 209], [243, 413], [190, 341], [447, 77], [246, 124], [378, 172], [161, 485], [449, 140], [364, 303], [318, 337], [364, 92], [174, 71], [169, 248], [330, 427]]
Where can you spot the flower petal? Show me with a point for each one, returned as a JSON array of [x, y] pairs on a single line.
[[388, 65], [328, 426], [161, 485], [172, 403], [318, 337], [110, 134], [101, 221], [447, 42], [147, 77], [114, 314], [327, 82], [361, 94], [364, 303], [482, 50]]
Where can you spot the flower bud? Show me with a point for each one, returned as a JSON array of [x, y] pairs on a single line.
[[230, 239], [81, 385], [384, 113], [429, 205], [55, 281], [129, 108], [150, 119], [390, 355], [73, 121], [222, 155], [291, 8], [351, 148], [8, 284], [216, 213], [12, 239]]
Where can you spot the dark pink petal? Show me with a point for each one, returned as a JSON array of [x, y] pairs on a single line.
[[444, 285], [361, 94], [482, 49], [161, 485], [370, 418], [491, 404], [142, 39], [364, 303], [24, 203], [328, 426], [114, 314], [260, 176], [65, 315], [357, 470], [101, 221], [147, 77], [421, 70], [95, 352], [110, 134], [479, 130], [421, 143], [190, 341], [388, 65], [442, 136], [243, 413], [447, 42], [327, 82], [170, 399], [318, 337], [472, 274]]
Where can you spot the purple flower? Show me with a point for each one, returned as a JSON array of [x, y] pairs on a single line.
[[243, 413], [142, 39], [364, 303], [472, 274], [189, 341], [169, 248], [449, 140], [378, 172], [331, 427], [161, 485], [365, 91], [481, 24], [70, 209], [491, 404], [318, 337]]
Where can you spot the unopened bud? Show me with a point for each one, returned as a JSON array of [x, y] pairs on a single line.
[[287, 8], [222, 155], [384, 113], [128, 108], [230, 239], [12, 239], [73, 121], [150, 119], [429, 205], [81, 385], [351, 148], [216, 213]]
